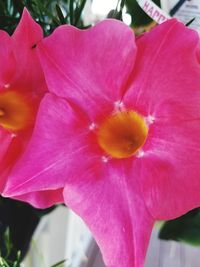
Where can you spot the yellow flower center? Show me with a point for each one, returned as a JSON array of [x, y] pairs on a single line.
[[15, 110], [121, 135]]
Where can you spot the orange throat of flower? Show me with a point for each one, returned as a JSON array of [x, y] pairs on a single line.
[[121, 135], [16, 112]]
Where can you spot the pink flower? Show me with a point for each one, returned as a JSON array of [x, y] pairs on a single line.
[[22, 85], [120, 131]]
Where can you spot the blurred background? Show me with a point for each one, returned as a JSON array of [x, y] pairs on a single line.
[[62, 235]]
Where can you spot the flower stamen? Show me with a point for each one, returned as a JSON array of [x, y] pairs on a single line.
[[121, 135], [150, 119], [105, 159], [92, 126]]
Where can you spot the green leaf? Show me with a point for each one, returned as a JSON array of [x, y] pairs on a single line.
[[7, 250], [122, 4], [115, 14], [3, 263], [184, 229], [60, 14], [2, 7], [71, 11], [79, 12], [8, 242]]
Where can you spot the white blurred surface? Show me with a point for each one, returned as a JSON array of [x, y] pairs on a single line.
[[62, 235], [102, 7], [97, 10]]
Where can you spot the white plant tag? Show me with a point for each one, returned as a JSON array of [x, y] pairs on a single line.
[[187, 10], [153, 11], [183, 10]]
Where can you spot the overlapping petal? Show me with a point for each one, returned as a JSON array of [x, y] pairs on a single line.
[[42, 199], [114, 210], [21, 71], [24, 41], [165, 87], [99, 74], [8, 62], [57, 123], [166, 70], [77, 167]]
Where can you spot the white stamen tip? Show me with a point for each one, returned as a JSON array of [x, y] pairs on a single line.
[[118, 105], [7, 85], [92, 126], [140, 154], [105, 159], [13, 135], [150, 119]]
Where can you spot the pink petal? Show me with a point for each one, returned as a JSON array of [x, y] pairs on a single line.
[[5, 140], [42, 199], [12, 146], [165, 88], [21, 71], [51, 148], [91, 66], [167, 68], [29, 74], [114, 210], [7, 63]]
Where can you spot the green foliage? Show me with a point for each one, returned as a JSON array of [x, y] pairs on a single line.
[[9, 249], [185, 228], [117, 12], [21, 219], [52, 13], [48, 13]]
